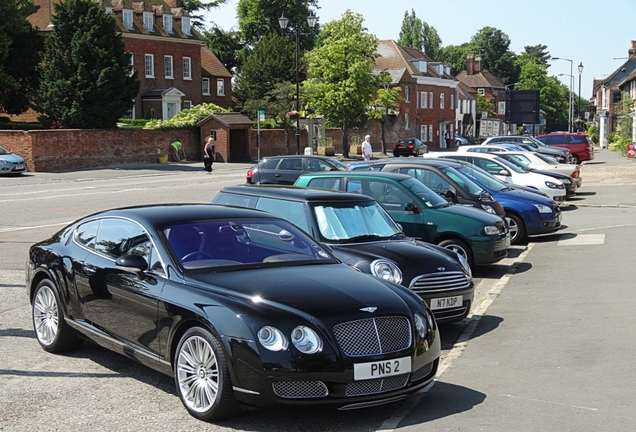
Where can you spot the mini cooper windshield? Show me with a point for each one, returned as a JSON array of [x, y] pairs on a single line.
[[205, 244], [352, 223]]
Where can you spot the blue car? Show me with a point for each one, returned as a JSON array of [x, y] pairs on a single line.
[[527, 213], [11, 163]]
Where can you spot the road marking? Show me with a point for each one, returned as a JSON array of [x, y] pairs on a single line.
[[583, 240], [474, 316], [33, 227]]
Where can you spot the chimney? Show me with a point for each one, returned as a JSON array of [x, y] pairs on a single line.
[[632, 49], [470, 64], [477, 64]]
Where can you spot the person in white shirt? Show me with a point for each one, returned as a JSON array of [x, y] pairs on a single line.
[[367, 151]]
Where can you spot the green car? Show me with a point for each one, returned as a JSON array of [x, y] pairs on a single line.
[[482, 238]]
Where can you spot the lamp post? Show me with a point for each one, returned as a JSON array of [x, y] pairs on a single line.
[[578, 113], [571, 110], [283, 21]]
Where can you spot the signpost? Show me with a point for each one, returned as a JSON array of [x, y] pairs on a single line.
[[259, 118]]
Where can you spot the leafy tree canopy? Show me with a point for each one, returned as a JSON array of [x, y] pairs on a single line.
[[455, 57], [418, 34], [227, 46], [258, 18], [386, 100], [86, 79], [340, 85], [493, 46], [20, 45], [194, 7], [539, 52]]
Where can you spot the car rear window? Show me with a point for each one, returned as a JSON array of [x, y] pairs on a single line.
[[578, 139], [271, 164], [556, 139]]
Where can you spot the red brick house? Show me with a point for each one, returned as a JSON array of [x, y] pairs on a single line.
[[429, 93], [176, 69], [482, 82]]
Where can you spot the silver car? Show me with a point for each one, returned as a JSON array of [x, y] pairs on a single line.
[[11, 163]]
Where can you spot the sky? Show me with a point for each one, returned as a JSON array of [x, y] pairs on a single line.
[[593, 33]]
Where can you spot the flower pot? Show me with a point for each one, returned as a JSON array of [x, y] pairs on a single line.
[[162, 159]]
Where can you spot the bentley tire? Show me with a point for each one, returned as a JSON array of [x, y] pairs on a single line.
[[52, 332]]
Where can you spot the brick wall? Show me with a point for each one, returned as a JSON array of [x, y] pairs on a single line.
[[70, 149]]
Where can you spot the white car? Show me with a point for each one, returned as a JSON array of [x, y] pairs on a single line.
[[545, 163], [508, 172], [488, 149]]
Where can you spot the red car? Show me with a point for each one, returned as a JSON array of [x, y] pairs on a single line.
[[579, 144]]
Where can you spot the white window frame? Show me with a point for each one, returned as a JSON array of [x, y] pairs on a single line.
[[187, 68], [407, 126], [481, 91], [424, 100], [132, 64], [187, 104], [407, 94], [149, 22], [220, 87], [452, 101], [167, 23], [205, 86], [442, 97], [186, 28], [127, 18], [430, 100], [423, 133], [501, 108], [168, 67], [430, 133], [149, 65]]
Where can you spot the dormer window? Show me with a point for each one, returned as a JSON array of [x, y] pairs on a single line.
[[149, 21], [185, 26], [109, 10], [167, 23], [127, 18]]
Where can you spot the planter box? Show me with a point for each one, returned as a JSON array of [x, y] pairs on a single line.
[[356, 149], [327, 151]]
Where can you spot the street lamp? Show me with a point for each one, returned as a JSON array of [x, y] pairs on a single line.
[[571, 111], [580, 72], [311, 21]]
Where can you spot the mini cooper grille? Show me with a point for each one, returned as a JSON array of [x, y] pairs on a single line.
[[423, 372], [373, 336], [300, 389], [375, 386], [435, 282]]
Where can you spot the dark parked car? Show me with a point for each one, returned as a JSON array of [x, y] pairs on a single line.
[[562, 155], [579, 144], [286, 169], [409, 147], [11, 163], [482, 238], [240, 306], [441, 177], [361, 233]]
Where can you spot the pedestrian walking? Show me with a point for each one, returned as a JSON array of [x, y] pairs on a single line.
[[208, 155], [367, 151], [448, 139]]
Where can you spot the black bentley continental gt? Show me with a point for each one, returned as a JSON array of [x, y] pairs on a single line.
[[242, 308]]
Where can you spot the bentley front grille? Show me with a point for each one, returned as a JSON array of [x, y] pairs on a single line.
[[375, 386], [373, 336], [300, 389]]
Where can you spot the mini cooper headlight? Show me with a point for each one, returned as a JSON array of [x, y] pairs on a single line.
[[420, 325], [306, 340], [491, 230], [272, 338], [465, 265], [386, 270]]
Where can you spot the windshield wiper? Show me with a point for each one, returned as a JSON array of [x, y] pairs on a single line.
[[363, 237]]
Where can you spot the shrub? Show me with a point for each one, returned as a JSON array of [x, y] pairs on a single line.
[[620, 145], [186, 119]]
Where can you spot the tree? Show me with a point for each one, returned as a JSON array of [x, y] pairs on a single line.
[[485, 104], [258, 18], [227, 46], [455, 57], [192, 7], [20, 46], [270, 62], [493, 47], [419, 35], [340, 84], [86, 73], [554, 101], [539, 52], [386, 100]]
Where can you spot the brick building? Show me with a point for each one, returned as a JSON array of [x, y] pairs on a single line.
[[176, 69], [429, 95]]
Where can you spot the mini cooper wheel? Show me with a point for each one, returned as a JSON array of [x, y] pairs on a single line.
[[460, 247], [52, 332], [517, 229], [202, 377]]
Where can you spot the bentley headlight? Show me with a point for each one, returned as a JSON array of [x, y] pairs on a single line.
[[272, 338], [491, 230], [465, 266], [542, 208], [386, 270], [420, 325], [488, 208], [306, 340]]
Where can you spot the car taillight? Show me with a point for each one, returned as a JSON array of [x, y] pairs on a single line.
[[411, 146], [250, 174], [394, 146], [575, 174]]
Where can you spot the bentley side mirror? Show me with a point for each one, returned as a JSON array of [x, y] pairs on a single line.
[[133, 263]]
